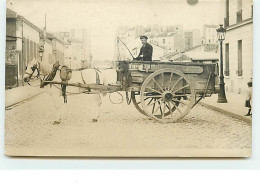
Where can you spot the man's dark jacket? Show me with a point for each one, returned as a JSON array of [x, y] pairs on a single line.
[[147, 52]]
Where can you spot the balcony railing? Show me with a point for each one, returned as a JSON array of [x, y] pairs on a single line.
[[226, 22], [239, 16]]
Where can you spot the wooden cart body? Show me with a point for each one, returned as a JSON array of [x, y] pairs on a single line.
[[167, 91], [203, 76]]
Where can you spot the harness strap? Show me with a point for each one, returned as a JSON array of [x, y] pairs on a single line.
[[82, 77], [52, 75]]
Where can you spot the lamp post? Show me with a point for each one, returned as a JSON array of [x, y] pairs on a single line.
[[41, 50], [221, 37]]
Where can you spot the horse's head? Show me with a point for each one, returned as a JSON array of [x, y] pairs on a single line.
[[31, 71]]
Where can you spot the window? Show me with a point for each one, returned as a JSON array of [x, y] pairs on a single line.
[[37, 50], [34, 50], [31, 51], [227, 59], [239, 57]]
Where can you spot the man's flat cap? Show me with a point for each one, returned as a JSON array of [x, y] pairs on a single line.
[[143, 37]]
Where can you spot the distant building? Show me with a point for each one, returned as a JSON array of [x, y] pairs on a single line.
[[164, 40], [210, 34], [197, 53], [57, 48], [171, 39], [74, 53], [192, 38], [210, 38], [179, 42], [77, 48], [238, 45]]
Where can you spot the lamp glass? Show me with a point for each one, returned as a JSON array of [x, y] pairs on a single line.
[[221, 36], [221, 33], [41, 53]]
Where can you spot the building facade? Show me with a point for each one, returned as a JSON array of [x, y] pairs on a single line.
[[23, 40], [22, 43], [238, 45]]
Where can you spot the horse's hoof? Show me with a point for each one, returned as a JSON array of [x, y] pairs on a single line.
[[56, 122], [94, 120]]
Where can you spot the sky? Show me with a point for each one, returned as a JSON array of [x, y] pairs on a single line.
[[102, 17]]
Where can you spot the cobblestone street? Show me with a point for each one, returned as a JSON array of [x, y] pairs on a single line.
[[121, 131]]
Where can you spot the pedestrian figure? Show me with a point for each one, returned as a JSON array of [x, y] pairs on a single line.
[[249, 99], [146, 50]]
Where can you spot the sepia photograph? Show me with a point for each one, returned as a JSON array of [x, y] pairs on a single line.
[[129, 78]]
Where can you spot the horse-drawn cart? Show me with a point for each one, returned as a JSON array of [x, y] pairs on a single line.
[[164, 91]]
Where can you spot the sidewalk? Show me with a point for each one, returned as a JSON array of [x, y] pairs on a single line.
[[18, 94], [235, 106]]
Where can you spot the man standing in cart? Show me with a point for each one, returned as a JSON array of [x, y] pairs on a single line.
[[146, 51]]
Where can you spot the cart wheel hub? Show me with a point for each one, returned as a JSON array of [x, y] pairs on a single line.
[[167, 96]]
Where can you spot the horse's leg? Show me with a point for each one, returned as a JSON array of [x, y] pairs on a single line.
[[96, 109], [55, 99]]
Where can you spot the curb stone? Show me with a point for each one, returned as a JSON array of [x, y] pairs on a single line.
[[232, 114]]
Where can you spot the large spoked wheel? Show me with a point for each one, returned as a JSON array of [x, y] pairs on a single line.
[[135, 97], [171, 95]]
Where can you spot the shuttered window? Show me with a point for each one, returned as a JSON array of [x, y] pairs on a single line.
[[27, 51], [24, 54], [37, 50], [227, 59], [240, 65], [31, 51]]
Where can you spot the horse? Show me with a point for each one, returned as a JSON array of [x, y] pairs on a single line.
[[44, 70]]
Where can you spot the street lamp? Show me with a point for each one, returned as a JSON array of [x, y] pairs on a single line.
[[41, 50], [222, 95]]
